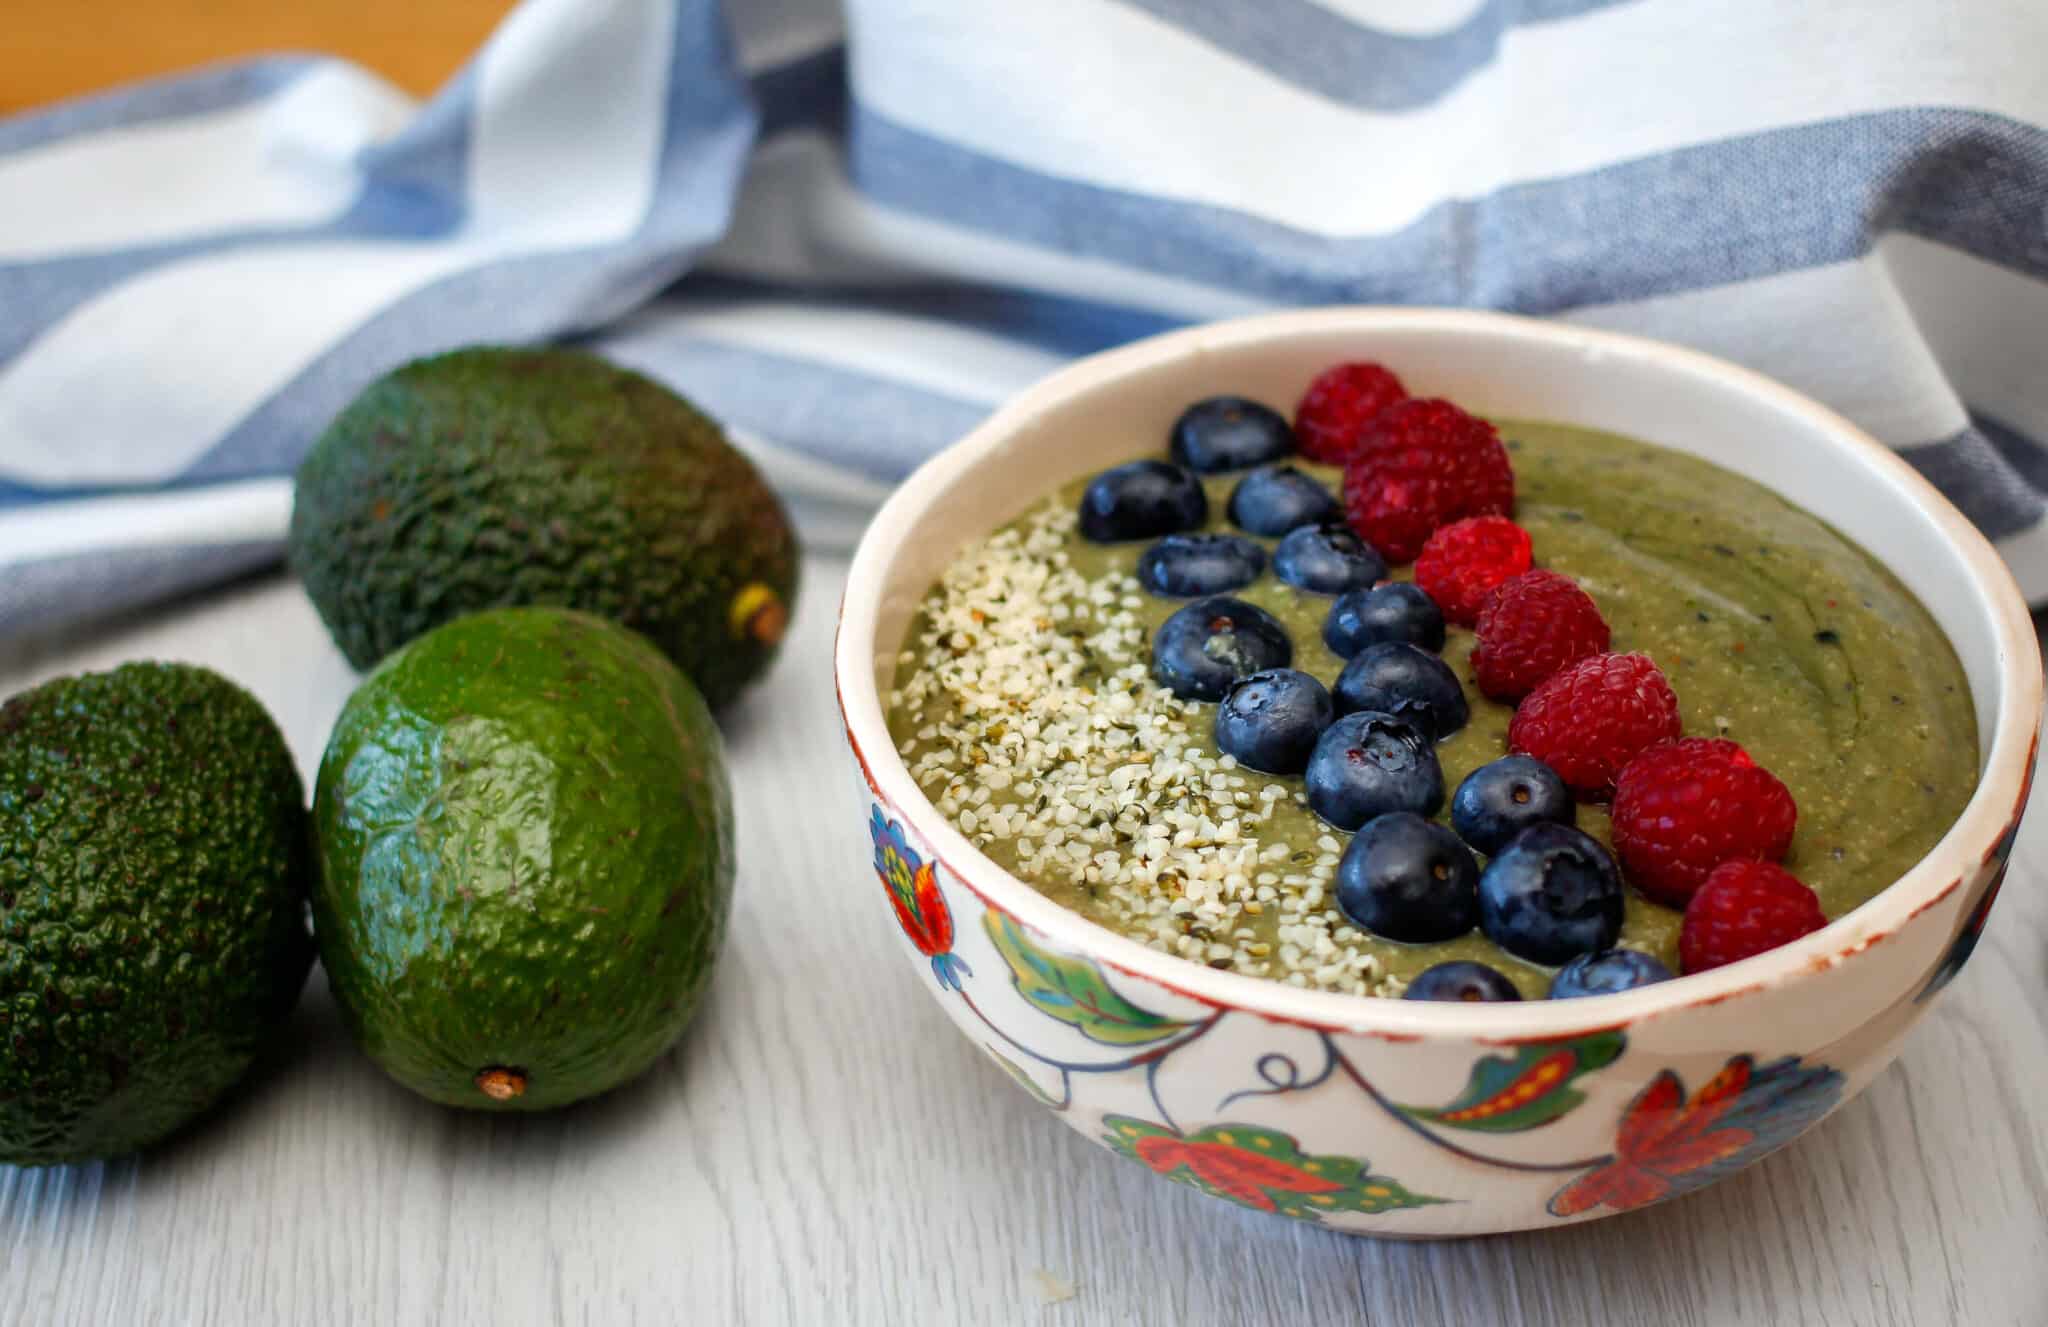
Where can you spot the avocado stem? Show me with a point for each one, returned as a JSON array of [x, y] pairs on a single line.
[[501, 1084], [759, 612]]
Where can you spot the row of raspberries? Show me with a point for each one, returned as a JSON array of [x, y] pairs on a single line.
[[1410, 464], [1697, 824]]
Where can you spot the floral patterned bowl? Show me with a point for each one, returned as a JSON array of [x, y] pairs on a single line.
[[1388, 1117]]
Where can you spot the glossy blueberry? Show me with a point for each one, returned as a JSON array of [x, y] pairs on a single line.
[[1405, 680], [1408, 879], [1185, 565], [1142, 500], [1270, 721], [1229, 433], [1550, 895], [1396, 610], [1211, 643], [1461, 980], [1369, 764], [1279, 498], [1607, 972], [1327, 559], [1500, 800]]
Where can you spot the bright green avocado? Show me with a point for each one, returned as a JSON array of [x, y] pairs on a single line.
[[526, 849], [154, 857], [493, 477]]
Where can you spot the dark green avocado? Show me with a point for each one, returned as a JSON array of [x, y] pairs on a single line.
[[493, 477], [154, 857], [526, 847]]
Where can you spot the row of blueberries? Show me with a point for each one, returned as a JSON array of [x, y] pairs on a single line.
[[1389, 633], [1148, 499], [1549, 893], [1157, 499]]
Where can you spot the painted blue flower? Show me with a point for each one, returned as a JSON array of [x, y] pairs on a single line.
[[1965, 943], [913, 886]]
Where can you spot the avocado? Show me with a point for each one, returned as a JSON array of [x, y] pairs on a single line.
[[526, 847], [154, 857], [493, 477]]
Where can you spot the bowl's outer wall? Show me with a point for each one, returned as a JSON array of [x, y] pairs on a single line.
[[1797, 1043], [1200, 1086]]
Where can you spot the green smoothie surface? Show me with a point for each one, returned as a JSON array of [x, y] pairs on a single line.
[[1774, 630]]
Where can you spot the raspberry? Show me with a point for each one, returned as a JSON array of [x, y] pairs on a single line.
[[1338, 405], [1420, 464], [1465, 560], [1592, 717], [1395, 514], [1745, 908], [1435, 426], [1529, 628], [1683, 808]]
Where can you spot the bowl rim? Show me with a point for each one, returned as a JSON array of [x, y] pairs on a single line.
[[1955, 858]]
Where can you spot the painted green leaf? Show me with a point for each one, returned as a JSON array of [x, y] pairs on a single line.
[[1534, 1087], [1073, 990], [1024, 1080], [1263, 1169]]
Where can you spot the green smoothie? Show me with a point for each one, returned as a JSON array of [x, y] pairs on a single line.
[[1774, 630]]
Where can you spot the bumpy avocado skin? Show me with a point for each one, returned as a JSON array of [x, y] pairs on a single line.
[[526, 845], [154, 857], [493, 477]]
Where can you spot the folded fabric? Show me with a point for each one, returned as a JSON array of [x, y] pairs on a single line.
[[849, 235]]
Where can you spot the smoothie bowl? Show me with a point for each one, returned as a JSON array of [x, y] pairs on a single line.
[[1175, 785]]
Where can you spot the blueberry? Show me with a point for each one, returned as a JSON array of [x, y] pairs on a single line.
[[1270, 721], [1184, 565], [1500, 800], [1211, 643], [1229, 433], [1409, 879], [1368, 764], [1280, 498], [1607, 972], [1550, 895], [1461, 980], [1327, 559], [1406, 680], [1396, 610], [1142, 500]]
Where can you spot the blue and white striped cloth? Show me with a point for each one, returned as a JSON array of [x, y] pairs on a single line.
[[850, 234]]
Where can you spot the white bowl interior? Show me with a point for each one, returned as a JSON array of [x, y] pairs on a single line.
[[1120, 405], [1776, 439]]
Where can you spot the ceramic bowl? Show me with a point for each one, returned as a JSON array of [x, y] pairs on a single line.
[[1389, 1117]]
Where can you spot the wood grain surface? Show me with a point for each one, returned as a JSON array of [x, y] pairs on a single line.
[[825, 1148], [53, 49]]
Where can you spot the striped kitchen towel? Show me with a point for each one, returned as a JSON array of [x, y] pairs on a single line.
[[850, 231]]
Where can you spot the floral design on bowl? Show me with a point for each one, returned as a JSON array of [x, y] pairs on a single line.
[[1260, 1168], [913, 889], [1669, 1143], [1965, 943], [1666, 1143]]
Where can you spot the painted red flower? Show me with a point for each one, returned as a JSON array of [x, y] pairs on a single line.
[[1264, 1169], [1231, 1171], [1669, 1143], [913, 886]]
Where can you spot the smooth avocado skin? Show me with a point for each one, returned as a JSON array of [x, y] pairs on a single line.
[[494, 476], [154, 858], [526, 846]]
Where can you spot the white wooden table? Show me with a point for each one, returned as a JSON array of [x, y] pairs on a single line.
[[824, 1148]]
